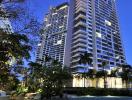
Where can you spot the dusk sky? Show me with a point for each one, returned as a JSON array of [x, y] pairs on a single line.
[[124, 9]]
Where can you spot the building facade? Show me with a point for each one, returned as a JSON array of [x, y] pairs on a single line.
[[54, 36], [94, 27], [83, 26], [5, 24]]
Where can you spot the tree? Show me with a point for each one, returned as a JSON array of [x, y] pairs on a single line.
[[13, 49], [100, 74], [56, 77], [35, 76], [91, 73], [104, 64], [85, 59], [15, 45], [114, 73], [51, 79], [126, 74]]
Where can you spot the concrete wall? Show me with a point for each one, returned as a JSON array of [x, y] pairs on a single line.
[[112, 82]]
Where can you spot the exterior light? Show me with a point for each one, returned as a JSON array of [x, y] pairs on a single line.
[[39, 44], [108, 22], [98, 35]]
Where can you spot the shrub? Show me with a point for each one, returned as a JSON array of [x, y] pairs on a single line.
[[98, 91]]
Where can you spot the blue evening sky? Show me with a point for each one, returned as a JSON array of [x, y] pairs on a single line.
[[124, 8]]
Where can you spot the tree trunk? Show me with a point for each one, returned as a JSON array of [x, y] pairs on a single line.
[[115, 82], [97, 80], [84, 81], [104, 82], [127, 84]]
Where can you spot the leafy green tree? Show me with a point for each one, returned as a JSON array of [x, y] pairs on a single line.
[[35, 76], [51, 79], [56, 77], [15, 45], [13, 48]]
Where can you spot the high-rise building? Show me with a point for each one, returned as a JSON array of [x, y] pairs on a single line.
[[94, 27], [84, 26], [55, 31], [5, 24]]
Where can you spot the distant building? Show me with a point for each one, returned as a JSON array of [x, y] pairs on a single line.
[[83, 25], [55, 31], [94, 27]]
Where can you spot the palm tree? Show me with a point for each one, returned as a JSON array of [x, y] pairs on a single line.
[[126, 73], [100, 74], [85, 59], [104, 64], [91, 74], [114, 74]]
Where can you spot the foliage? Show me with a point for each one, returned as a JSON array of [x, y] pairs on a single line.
[[104, 72], [50, 79], [8, 82], [13, 48], [126, 73], [21, 89], [97, 91], [91, 73], [85, 58], [100, 74], [15, 45]]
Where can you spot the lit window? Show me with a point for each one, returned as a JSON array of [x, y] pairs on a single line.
[[39, 44], [98, 35], [63, 7], [61, 26], [108, 22], [59, 42], [48, 25], [54, 13]]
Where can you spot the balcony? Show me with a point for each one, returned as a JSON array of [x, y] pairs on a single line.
[[79, 45], [79, 40], [80, 23], [81, 35], [78, 50], [81, 9], [80, 16], [80, 31]]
